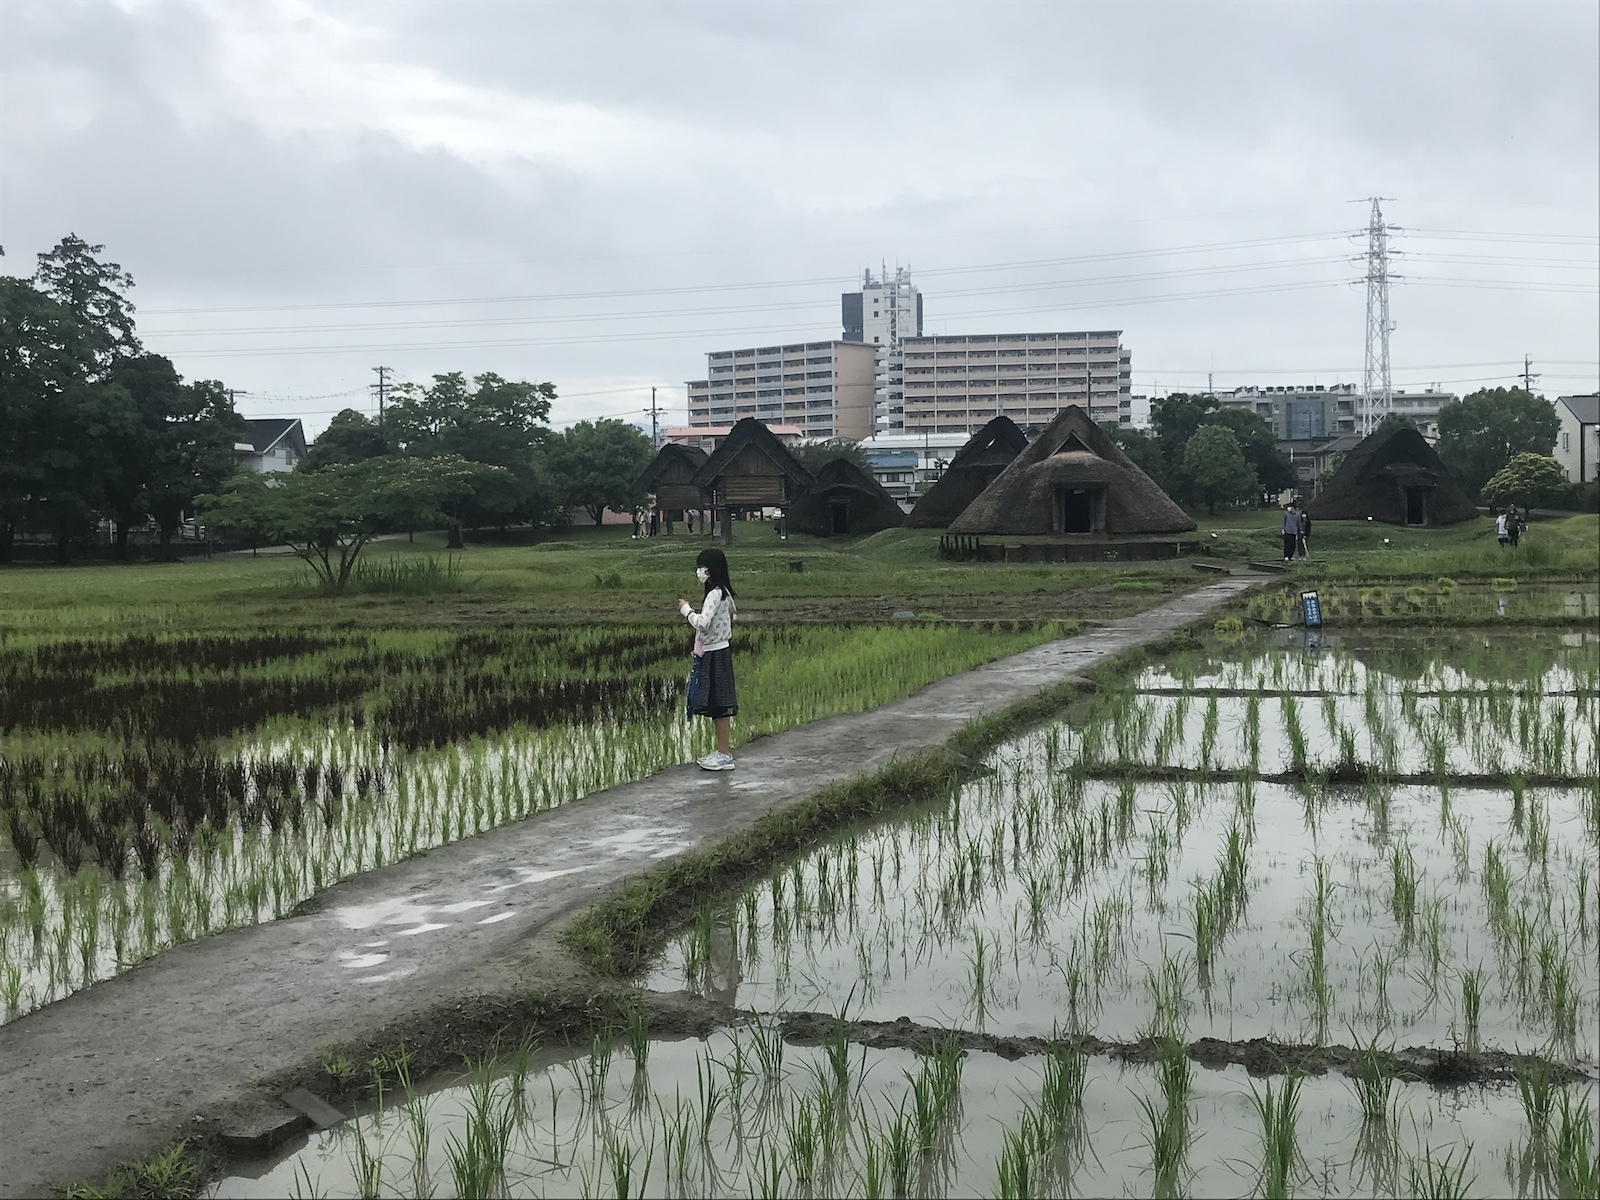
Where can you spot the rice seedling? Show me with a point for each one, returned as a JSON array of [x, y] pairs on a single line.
[[1372, 1080], [1282, 1162], [1403, 891], [1537, 1089], [1166, 1135], [1576, 1165], [1440, 1177], [1066, 1070]]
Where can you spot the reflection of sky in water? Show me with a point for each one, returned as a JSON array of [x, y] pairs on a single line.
[[894, 917], [559, 1146]]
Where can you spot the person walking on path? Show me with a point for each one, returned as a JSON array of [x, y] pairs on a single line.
[[711, 691], [1502, 530], [1515, 528], [1291, 532], [1305, 533]]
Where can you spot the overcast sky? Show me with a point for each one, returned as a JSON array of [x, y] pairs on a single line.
[[597, 193]]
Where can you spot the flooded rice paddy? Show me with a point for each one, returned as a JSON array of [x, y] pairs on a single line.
[[1371, 842], [153, 791]]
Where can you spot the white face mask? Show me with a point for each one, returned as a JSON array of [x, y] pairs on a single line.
[[702, 574]]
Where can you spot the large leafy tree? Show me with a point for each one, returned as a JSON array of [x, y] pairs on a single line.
[[494, 421], [328, 517], [1274, 471], [351, 437], [1142, 448], [815, 455], [1216, 467], [40, 374], [1527, 481], [96, 294], [1482, 432], [596, 465]]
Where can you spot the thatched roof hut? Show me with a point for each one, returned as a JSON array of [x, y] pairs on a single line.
[[1393, 476], [1072, 479], [751, 469], [975, 466], [670, 476], [844, 501]]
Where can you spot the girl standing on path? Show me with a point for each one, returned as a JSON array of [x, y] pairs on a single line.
[[711, 691]]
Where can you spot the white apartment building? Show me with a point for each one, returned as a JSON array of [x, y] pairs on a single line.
[[908, 464], [825, 388], [883, 313], [956, 383], [1305, 412]]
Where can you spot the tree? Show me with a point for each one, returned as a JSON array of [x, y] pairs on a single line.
[[327, 517], [95, 294], [1484, 431], [40, 371], [1216, 467], [814, 456], [351, 437], [1274, 471], [194, 455], [596, 464], [1527, 481], [1141, 447], [494, 421], [1394, 420]]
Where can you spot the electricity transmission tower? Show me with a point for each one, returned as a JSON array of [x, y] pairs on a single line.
[[1377, 384]]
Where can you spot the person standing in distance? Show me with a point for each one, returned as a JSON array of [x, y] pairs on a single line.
[[1291, 532], [711, 691]]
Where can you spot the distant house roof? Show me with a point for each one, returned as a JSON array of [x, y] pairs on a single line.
[[262, 434], [1586, 409]]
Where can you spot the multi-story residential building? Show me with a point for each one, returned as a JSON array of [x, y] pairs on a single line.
[[824, 388], [882, 314], [1306, 412], [1578, 442], [954, 384]]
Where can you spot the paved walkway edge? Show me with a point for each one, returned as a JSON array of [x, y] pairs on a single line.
[[125, 1068]]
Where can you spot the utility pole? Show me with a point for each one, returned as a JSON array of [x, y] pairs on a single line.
[[232, 392], [1377, 386], [1528, 373], [382, 389], [655, 415]]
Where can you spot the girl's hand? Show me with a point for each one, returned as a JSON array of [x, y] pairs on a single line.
[[681, 603]]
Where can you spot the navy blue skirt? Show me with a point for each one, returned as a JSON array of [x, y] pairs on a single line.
[[711, 691]]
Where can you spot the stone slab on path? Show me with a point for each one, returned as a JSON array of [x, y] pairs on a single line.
[[124, 1068]]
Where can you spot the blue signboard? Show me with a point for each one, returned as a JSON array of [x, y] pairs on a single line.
[[1311, 610]]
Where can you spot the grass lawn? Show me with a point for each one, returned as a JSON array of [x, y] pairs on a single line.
[[1371, 551], [585, 574]]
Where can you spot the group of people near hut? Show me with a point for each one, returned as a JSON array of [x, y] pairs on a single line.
[[647, 521]]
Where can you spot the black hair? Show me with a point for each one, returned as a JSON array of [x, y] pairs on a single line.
[[716, 564]]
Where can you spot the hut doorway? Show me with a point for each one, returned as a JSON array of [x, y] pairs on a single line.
[[1076, 507], [839, 518], [1416, 506]]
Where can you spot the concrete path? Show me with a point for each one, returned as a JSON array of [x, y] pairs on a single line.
[[126, 1067]]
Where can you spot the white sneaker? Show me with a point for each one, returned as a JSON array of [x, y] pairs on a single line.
[[717, 761]]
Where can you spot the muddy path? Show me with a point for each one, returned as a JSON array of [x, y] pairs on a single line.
[[199, 1039]]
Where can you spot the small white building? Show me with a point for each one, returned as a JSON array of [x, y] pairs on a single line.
[[271, 444], [1578, 443], [908, 464]]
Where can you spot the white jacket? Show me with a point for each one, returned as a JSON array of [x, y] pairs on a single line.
[[714, 621]]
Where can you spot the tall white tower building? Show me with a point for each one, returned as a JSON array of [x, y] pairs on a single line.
[[881, 314]]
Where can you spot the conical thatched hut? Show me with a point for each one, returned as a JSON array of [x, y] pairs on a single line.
[[750, 470], [1072, 479], [844, 501], [975, 466], [1393, 476], [670, 476]]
